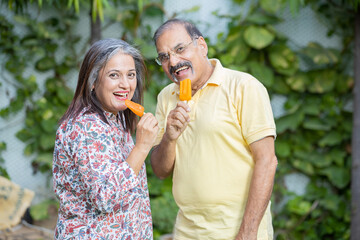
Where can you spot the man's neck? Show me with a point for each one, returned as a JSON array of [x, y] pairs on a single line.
[[207, 74]]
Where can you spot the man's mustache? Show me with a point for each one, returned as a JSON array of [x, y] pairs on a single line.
[[179, 65]]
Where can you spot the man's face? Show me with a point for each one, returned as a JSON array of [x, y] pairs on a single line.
[[186, 56]]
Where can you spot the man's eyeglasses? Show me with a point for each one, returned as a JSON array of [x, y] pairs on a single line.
[[177, 51]]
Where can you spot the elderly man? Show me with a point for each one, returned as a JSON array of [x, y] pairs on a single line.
[[218, 147]]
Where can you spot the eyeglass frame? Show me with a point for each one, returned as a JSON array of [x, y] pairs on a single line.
[[174, 52]]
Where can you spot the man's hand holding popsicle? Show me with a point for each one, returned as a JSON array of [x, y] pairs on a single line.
[[185, 90], [179, 118]]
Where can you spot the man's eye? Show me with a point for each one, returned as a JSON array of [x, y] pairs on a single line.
[[179, 49], [163, 58]]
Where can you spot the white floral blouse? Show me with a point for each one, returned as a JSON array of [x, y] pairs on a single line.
[[100, 195]]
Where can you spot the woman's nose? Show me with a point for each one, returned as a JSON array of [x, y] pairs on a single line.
[[124, 82]]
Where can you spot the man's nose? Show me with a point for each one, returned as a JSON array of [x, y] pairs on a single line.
[[173, 59]]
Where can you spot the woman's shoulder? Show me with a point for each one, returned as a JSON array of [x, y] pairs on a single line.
[[84, 122]]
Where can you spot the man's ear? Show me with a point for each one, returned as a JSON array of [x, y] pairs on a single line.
[[203, 46]]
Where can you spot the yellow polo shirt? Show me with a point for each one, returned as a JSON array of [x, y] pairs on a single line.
[[214, 165]]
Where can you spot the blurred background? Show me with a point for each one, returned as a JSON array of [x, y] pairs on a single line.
[[302, 51]]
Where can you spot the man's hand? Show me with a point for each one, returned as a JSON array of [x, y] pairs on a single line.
[[177, 121]]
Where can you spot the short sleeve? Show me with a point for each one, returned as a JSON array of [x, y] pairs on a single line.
[[254, 111]]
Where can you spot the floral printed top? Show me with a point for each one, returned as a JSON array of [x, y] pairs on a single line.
[[100, 195]]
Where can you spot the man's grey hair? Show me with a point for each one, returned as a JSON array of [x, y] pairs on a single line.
[[191, 29]]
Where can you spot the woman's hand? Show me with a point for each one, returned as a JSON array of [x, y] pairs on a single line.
[[146, 132]]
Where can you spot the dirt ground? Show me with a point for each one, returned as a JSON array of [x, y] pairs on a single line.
[[38, 230], [41, 230]]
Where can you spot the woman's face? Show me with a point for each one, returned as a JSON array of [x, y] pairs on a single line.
[[117, 82]]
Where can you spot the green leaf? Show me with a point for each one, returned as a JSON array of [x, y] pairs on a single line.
[[320, 55], [2, 146], [283, 60], [153, 10], [305, 167], [330, 139], [44, 159], [29, 149], [64, 95], [322, 81], [344, 83], [40, 211], [24, 135], [316, 124], [283, 148], [339, 177], [280, 86], [263, 73], [47, 141], [320, 160], [236, 50], [149, 102], [259, 18], [271, 6], [311, 108], [45, 64], [49, 125], [289, 122], [338, 156], [258, 37], [299, 206], [331, 202], [192, 10], [298, 82], [149, 51]]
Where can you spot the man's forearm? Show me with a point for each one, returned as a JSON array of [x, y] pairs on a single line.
[[259, 196], [163, 158]]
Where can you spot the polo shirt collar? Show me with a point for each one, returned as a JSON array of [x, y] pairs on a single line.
[[215, 78]]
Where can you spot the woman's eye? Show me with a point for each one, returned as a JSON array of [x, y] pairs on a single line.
[[132, 75], [114, 75]]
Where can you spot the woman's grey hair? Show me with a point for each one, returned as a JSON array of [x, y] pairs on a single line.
[[191, 29], [107, 48], [96, 59]]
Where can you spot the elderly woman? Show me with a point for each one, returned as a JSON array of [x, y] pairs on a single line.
[[99, 174]]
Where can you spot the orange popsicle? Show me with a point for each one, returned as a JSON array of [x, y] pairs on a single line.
[[135, 107], [185, 90]]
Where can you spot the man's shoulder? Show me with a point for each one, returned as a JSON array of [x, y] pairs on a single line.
[[238, 75], [231, 74], [169, 89]]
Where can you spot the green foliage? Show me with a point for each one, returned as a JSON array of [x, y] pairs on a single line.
[[41, 211], [45, 101], [3, 172], [39, 46], [314, 134]]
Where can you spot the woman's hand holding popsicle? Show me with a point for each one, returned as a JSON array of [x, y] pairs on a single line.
[[147, 127]]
